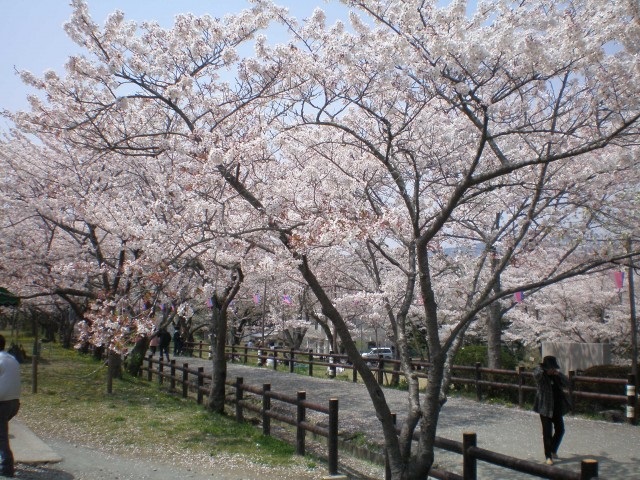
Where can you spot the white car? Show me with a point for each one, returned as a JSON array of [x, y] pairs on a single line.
[[375, 353]]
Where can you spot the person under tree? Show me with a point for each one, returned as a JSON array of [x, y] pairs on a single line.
[[165, 341], [551, 403], [9, 405]]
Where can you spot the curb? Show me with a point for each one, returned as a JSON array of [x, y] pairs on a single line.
[[27, 447]]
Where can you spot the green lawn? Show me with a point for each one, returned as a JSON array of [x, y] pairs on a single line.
[[139, 417]]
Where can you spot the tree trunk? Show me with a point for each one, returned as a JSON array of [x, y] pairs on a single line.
[[114, 364], [494, 336], [494, 319], [218, 343], [424, 452], [136, 356], [376, 393]]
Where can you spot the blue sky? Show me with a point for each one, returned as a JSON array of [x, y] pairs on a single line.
[[32, 37]]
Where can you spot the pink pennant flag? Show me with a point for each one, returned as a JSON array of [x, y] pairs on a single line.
[[256, 298], [286, 299], [518, 297], [618, 278]]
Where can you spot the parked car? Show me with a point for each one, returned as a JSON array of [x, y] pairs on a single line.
[[374, 353]]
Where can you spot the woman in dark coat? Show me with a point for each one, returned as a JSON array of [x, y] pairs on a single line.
[[165, 341], [551, 403]]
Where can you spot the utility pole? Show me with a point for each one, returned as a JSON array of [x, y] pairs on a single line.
[[634, 323]]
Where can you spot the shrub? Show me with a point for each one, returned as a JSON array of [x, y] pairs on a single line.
[[471, 354], [601, 371]]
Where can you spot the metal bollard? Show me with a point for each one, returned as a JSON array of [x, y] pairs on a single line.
[[631, 399]]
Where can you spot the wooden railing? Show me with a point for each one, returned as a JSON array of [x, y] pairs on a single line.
[[471, 454], [190, 380], [387, 371], [197, 380]]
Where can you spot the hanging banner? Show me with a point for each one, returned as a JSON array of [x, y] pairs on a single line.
[[618, 279]]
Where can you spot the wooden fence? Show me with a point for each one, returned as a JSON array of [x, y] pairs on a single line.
[[196, 380], [387, 371], [471, 453], [191, 380]]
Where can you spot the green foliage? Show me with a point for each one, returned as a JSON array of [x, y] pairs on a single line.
[[601, 371], [469, 355], [608, 371]]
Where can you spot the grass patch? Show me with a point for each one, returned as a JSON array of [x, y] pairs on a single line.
[[139, 417]]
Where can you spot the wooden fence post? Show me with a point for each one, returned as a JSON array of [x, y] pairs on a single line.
[[572, 386], [160, 370], [172, 379], [520, 385], [200, 348], [150, 368], [200, 384], [310, 363], [631, 399], [478, 378], [34, 371], [588, 469], [332, 439], [387, 467], [266, 407], [332, 367], [246, 353], [239, 397], [469, 463], [380, 370], [300, 418], [185, 380], [275, 359], [110, 372], [292, 358]]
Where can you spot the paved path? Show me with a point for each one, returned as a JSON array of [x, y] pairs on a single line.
[[27, 447], [56, 459], [510, 431]]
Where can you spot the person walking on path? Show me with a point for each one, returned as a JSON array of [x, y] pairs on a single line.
[[154, 342], [9, 405], [165, 341], [551, 403], [177, 342]]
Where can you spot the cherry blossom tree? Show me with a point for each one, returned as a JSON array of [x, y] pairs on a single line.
[[435, 117], [171, 80], [405, 144], [584, 310], [73, 253]]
